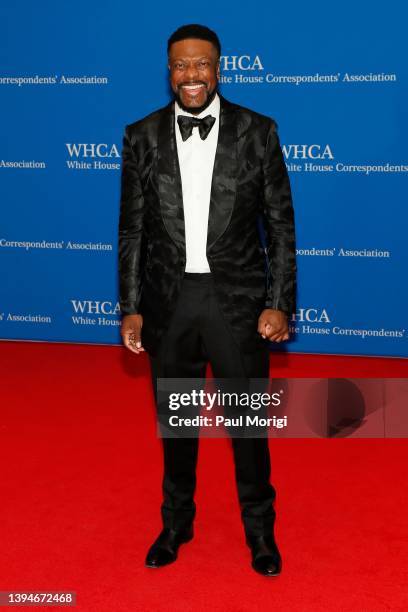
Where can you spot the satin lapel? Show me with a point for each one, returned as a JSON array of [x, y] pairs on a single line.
[[169, 178], [224, 178]]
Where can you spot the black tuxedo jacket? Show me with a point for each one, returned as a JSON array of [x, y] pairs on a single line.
[[250, 186]]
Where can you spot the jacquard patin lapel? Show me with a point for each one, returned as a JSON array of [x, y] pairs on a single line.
[[223, 186], [224, 179], [169, 177]]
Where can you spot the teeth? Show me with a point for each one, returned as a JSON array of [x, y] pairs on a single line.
[[192, 86]]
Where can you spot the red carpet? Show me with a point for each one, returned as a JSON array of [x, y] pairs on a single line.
[[81, 476]]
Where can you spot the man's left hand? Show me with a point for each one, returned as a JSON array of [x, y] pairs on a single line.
[[273, 325]]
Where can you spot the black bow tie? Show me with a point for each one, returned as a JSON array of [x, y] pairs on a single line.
[[187, 123]]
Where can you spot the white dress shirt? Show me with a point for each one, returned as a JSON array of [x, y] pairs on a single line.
[[196, 160]]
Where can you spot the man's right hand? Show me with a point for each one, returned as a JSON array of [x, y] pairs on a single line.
[[131, 332]]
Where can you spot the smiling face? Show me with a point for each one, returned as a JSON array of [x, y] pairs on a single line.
[[194, 73]]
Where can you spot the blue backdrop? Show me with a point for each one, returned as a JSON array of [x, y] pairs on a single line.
[[333, 76]]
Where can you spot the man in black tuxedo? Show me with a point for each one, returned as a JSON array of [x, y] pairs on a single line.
[[196, 284]]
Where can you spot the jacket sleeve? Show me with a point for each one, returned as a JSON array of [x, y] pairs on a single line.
[[130, 231], [279, 224]]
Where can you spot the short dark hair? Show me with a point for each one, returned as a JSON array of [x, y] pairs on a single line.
[[194, 30]]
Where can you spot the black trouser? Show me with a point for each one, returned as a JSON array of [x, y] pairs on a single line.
[[198, 334]]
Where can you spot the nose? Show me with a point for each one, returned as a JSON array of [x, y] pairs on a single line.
[[191, 73]]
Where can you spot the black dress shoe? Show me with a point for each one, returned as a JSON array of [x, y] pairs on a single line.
[[164, 549], [266, 559]]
